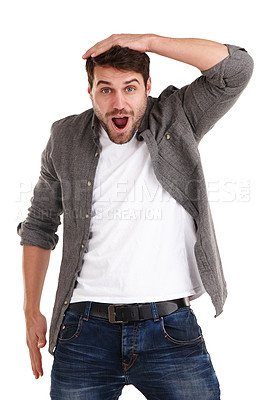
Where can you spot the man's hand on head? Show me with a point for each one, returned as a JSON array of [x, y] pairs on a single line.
[[139, 42]]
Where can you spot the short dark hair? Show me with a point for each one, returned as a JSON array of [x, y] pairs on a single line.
[[122, 58]]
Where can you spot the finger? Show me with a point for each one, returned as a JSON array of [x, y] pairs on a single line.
[[96, 50], [41, 341], [36, 357], [87, 54], [36, 363], [101, 47], [92, 51]]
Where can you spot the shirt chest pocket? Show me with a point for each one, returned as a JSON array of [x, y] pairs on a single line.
[[178, 148]]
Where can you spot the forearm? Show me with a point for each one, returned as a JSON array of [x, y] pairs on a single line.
[[35, 264], [202, 54]]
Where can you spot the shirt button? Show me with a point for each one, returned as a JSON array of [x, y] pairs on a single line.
[[82, 246], [87, 215], [89, 183], [96, 154], [65, 302], [168, 136]]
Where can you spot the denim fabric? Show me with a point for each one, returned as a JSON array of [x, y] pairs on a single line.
[[172, 127], [164, 358]]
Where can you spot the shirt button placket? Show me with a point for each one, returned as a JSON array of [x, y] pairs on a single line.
[[89, 183]]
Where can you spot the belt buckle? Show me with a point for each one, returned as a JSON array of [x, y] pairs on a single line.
[[112, 314]]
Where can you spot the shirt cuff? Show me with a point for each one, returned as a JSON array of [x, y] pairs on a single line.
[[228, 67]]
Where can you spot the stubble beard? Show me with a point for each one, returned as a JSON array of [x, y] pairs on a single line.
[[114, 136]]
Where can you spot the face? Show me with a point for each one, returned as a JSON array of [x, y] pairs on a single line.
[[119, 100]]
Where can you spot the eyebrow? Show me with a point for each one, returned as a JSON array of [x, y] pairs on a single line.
[[101, 82]]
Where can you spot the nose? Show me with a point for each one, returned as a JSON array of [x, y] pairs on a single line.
[[118, 100]]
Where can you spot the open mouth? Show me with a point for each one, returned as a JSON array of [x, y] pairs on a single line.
[[120, 122]]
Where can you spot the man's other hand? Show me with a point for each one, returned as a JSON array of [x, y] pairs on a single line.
[[36, 328]]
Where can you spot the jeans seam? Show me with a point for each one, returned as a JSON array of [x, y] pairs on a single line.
[[76, 334], [178, 342], [134, 356]]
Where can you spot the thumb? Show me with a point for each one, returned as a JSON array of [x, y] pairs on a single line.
[[41, 341]]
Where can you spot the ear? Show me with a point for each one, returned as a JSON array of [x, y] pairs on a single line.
[[89, 90], [148, 89]]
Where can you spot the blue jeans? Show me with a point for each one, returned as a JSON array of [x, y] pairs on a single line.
[[164, 358]]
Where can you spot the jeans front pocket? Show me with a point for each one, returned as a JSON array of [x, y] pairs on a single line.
[[71, 327], [181, 327]]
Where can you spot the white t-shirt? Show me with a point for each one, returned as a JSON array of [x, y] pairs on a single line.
[[142, 240]]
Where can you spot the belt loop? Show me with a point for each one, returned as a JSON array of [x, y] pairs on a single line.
[[87, 309], [154, 312]]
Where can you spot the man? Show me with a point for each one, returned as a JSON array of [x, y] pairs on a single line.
[[138, 230]]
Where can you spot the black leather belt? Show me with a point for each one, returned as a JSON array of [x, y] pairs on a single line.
[[122, 313]]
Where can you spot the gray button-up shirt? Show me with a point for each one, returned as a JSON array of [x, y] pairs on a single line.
[[172, 127]]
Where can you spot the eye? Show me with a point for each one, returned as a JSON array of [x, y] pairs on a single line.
[[106, 91], [130, 89]]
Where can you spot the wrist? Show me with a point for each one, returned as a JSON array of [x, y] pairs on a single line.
[[31, 310], [151, 43]]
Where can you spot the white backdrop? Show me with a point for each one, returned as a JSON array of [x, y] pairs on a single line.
[[43, 79]]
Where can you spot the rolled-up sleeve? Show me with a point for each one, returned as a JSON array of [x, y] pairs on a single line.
[[39, 228], [210, 96]]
